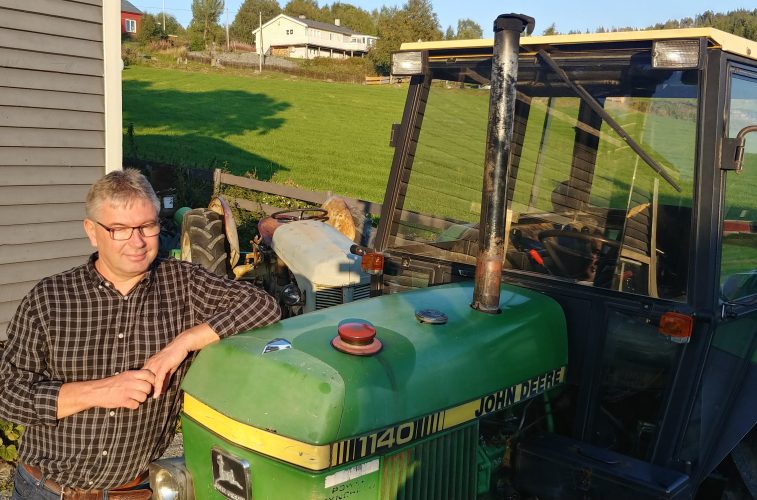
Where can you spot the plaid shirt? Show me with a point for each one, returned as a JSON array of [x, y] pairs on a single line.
[[76, 326]]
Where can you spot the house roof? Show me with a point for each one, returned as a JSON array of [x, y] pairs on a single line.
[[326, 26], [314, 24], [127, 6]]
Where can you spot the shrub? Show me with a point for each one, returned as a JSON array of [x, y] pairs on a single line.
[[10, 435]]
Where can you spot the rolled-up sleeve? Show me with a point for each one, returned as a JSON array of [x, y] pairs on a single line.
[[27, 394], [228, 306]]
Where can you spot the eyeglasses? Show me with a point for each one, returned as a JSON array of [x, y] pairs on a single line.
[[149, 230]]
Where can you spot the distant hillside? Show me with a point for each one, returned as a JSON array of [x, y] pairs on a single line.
[[740, 22]]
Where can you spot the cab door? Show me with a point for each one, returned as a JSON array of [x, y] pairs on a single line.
[[726, 409]]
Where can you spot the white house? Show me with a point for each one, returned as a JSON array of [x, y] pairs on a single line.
[[306, 39]]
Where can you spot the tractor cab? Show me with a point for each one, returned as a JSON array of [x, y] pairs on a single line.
[[624, 203]]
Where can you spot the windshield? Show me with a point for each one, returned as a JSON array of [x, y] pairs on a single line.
[[582, 205]]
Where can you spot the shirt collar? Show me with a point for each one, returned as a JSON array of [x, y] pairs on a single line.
[[98, 279]]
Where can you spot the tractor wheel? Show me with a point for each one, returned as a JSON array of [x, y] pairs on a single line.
[[203, 240]]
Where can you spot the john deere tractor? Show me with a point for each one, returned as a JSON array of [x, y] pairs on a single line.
[[582, 324]]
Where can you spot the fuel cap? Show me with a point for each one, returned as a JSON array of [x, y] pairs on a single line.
[[432, 316], [356, 337]]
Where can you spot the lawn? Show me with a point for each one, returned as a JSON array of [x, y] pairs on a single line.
[[317, 135]]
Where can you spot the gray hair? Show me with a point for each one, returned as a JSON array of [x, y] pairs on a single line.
[[120, 187]]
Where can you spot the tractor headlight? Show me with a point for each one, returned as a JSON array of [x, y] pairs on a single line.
[[675, 54], [409, 63], [170, 480], [291, 295]]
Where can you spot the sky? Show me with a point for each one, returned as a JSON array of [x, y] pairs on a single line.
[[579, 15]]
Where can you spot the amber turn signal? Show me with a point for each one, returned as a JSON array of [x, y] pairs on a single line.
[[373, 263], [676, 326]]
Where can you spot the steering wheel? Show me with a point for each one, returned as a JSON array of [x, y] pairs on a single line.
[[550, 238], [301, 214]]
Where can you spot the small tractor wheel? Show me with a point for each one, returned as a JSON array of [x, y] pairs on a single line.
[[203, 240]]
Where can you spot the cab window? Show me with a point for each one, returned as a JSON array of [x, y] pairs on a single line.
[[738, 265]]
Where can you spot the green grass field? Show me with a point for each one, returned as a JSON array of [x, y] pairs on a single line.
[[313, 134]]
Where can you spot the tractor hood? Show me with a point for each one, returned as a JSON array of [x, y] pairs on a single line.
[[474, 364]]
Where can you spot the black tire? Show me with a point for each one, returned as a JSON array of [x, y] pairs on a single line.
[[203, 240]]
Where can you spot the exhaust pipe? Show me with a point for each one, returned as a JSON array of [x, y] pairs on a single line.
[[507, 31]]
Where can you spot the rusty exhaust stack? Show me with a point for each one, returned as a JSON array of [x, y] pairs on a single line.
[[507, 31]]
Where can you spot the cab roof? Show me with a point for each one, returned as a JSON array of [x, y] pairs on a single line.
[[717, 39]]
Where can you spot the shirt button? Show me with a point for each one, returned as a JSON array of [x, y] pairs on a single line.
[[120, 335], [100, 287], [126, 297], [105, 452], [91, 482], [116, 373], [112, 413]]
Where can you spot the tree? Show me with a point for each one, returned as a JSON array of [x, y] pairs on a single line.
[[449, 34], [468, 29], [416, 21], [248, 18], [149, 29], [172, 25], [550, 30], [350, 16], [307, 8], [423, 21], [205, 14]]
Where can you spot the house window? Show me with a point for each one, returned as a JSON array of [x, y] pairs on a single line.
[[290, 32], [131, 26]]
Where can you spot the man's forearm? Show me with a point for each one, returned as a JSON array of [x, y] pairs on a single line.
[[124, 390], [75, 397]]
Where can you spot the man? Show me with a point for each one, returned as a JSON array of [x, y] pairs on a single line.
[[95, 355]]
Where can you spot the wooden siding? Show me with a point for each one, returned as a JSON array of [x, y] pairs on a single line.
[[52, 138]]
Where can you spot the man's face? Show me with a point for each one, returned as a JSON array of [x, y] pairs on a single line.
[[123, 260]]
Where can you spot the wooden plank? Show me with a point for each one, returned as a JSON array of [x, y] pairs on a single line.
[[44, 250], [43, 176], [43, 80], [38, 233], [15, 116], [57, 8], [24, 59], [40, 23], [8, 309], [91, 2], [252, 206], [36, 270], [316, 197], [12, 215], [56, 138], [16, 291], [50, 43], [70, 157], [31, 195]]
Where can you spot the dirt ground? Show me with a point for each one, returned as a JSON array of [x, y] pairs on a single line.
[[7, 470]]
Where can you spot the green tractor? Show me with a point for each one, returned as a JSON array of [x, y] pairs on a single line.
[[583, 325]]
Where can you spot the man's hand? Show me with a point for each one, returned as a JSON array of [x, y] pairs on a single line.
[[165, 362], [124, 390]]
